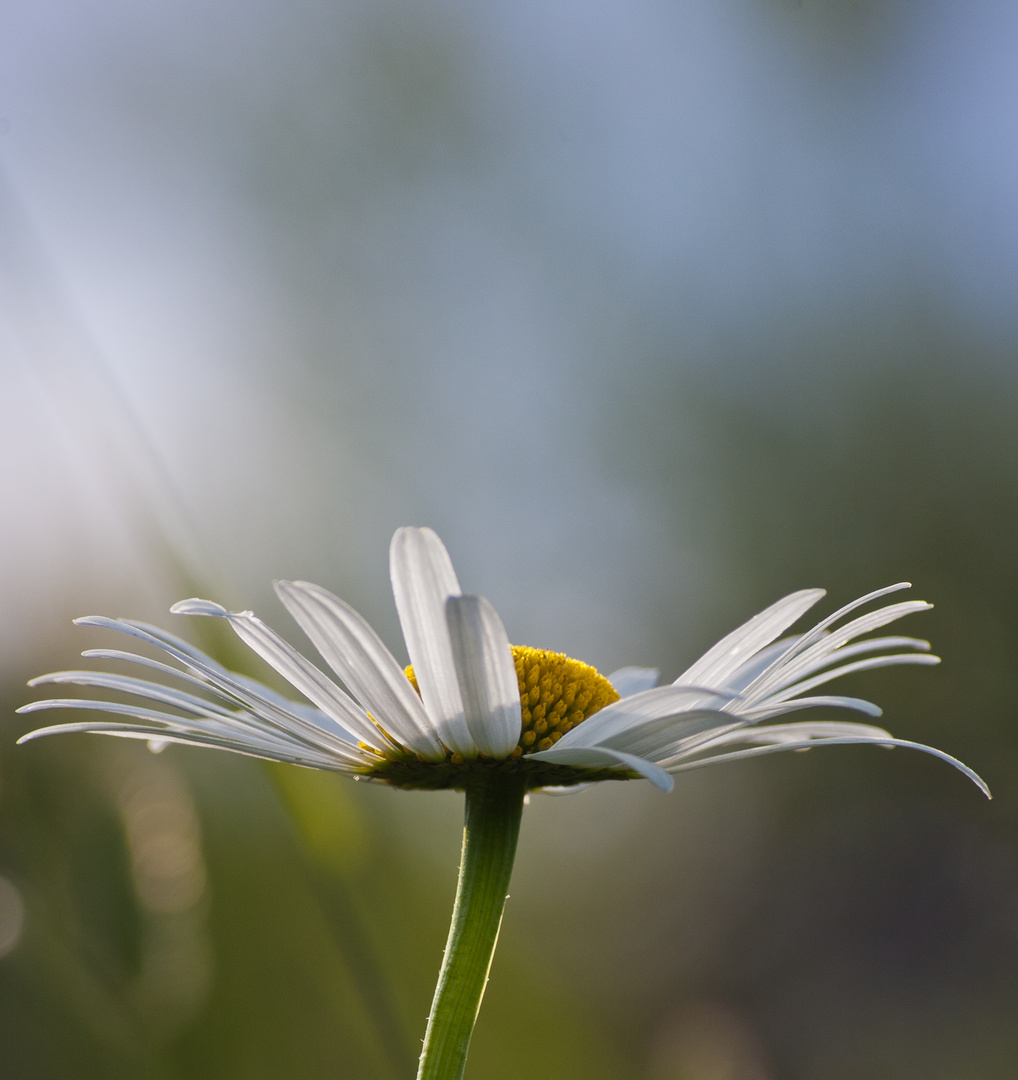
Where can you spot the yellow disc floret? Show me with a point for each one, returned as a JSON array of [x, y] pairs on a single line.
[[556, 694]]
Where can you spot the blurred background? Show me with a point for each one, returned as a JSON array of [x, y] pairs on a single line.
[[655, 310]]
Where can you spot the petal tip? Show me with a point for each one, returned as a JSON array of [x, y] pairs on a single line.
[[197, 606], [90, 620]]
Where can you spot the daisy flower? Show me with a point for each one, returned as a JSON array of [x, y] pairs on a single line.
[[473, 712], [470, 702]]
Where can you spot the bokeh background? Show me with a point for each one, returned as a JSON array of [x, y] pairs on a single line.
[[655, 310]]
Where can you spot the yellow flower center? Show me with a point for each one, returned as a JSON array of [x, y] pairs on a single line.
[[556, 694]]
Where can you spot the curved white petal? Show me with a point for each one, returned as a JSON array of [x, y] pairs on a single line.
[[892, 660], [812, 647], [236, 732], [269, 707], [299, 672], [422, 580], [820, 630], [765, 710], [258, 694], [295, 755], [177, 647], [718, 664], [750, 669], [359, 657], [808, 744], [489, 688], [665, 738], [797, 732], [858, 648], [634, 680], [663, 703], [128, 684], [600, 757]]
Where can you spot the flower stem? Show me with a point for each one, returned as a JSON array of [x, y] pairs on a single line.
[[491, 828]]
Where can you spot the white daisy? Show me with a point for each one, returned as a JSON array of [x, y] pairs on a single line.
[[470, 701]]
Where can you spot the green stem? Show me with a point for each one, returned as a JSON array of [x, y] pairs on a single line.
[[491, 828]]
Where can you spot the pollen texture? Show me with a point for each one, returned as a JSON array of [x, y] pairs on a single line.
[[556, 694]]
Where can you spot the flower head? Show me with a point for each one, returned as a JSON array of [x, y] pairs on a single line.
[[470, 701]]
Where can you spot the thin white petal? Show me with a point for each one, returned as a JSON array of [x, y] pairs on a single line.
[[298, 671], [925, 659], [758, 751], [765, 710], [752, 669], [245, 691], [489, 688], [858, 648], [177, 647], [634, 680], [253, 739], [747, 672], [167, 669], [258, 694], [718, 664], [797, 732], [663, 703], [599, 757], [128, 684], [820, 630], [323, 732], [359, 657], [664, 738], [819, 642], [799, 644], [422, 580], [295, 756]]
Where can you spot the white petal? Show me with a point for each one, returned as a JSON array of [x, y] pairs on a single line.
[[257, 695], [249, 738], [359, 657], [600, 757], [229, 686], [800, 658], [175, 646], [758, 751], [252, 748], [859, 665], [661, 742], [130, 685], [742, 680], [765, 710], [422, 580], [746, 673], [323, 733], [797, 733], [858, 648], [297, 670], [718, 664], [489, 688], [634, 680], [663, 703], [820, 630]]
